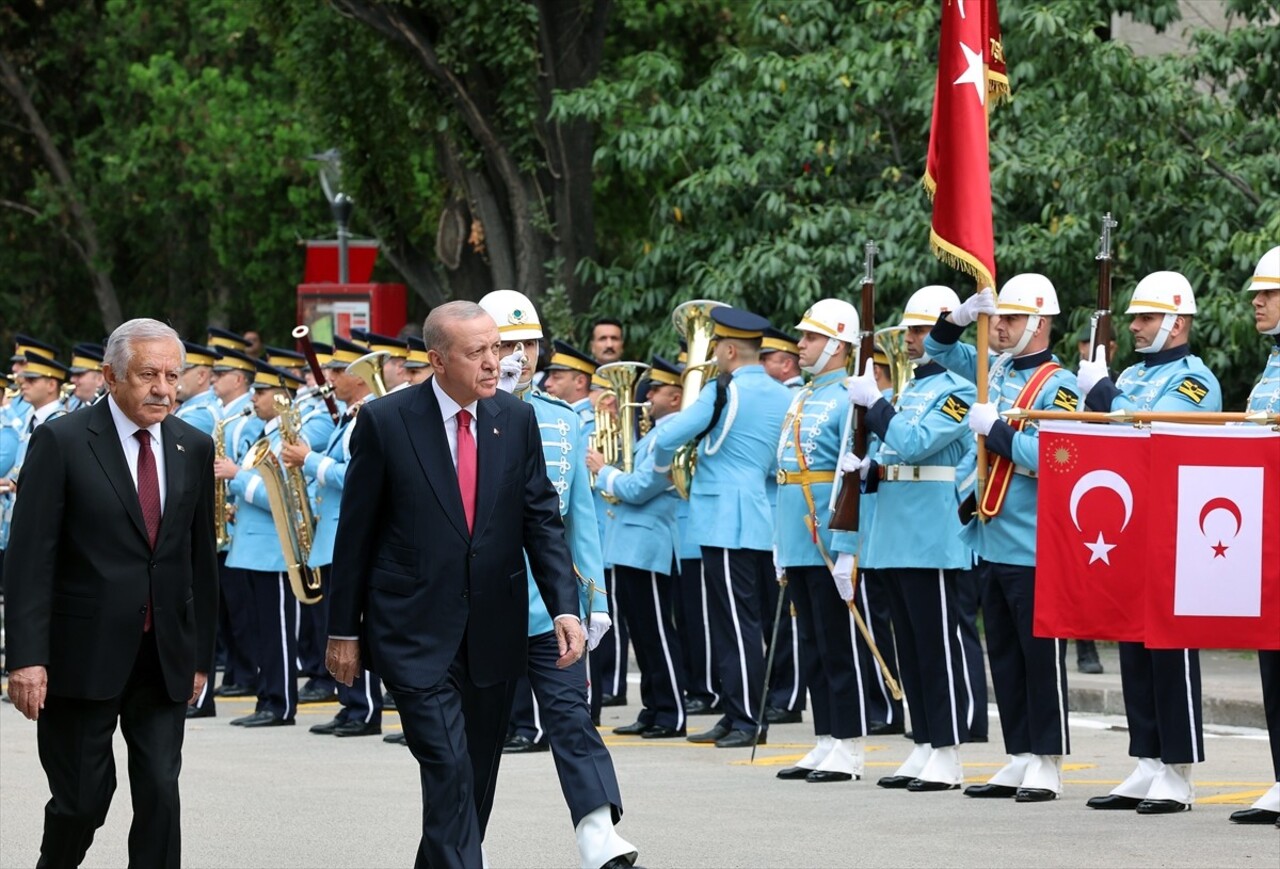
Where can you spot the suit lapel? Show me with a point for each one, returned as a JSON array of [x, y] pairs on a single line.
[[175, 468], [489, 458], [104, 443], [425, 429]]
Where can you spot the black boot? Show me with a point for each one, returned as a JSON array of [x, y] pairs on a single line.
[[1087, 657]]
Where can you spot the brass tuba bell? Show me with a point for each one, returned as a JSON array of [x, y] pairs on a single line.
[[892, 341], [620, 449], [369, 369], [692, 321]]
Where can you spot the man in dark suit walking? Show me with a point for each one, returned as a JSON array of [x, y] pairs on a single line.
[[113, 596], [446, 492]]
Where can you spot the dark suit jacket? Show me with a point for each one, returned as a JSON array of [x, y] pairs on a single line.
[[79, 567], [408, 579]]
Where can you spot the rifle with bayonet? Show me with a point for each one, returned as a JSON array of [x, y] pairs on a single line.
[[845, 513], [1100, 321]]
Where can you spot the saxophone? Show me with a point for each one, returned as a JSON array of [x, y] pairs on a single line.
[[221, 511]]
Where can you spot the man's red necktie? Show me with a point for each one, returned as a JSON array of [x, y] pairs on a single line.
[[467, 467], [148, 497]]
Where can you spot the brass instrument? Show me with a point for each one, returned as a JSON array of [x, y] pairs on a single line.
[[369, 369], [221, 513], [893, 341], [615, 434], [64, 396], [692, 320], [12, 392]]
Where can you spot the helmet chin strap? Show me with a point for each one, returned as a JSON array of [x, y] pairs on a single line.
[[1033, 322], [1162, 337], [823, 358]]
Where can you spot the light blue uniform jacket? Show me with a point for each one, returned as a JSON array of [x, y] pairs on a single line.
[[643, 533], [202, 411], [1171, 380], [1265, 395]]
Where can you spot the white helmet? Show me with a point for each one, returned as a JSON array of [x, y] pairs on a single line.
[[1267, 275], [515, 315], [1030, 294], [927, 304], [1163, 293], [834, 318]]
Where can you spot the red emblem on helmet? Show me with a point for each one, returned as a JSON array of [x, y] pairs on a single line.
[[1177, 299], [839, 327], [1039, 301]]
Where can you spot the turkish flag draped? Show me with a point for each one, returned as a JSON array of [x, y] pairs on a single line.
[[1213, 578], [971, 75], [1091, 537]]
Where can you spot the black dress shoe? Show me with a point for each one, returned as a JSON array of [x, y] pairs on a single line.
[[1255, 816], [206, 711], [226, 690], [613, 700], [659, 731], [244, 719], [266, 718], [1162, 807], [388, 700], [327, 728], [778, 715], [1035, 795], [919, 785], [715, 734], [622, 861], [697, 706], [976, 738], [358, 728], [823, 776], [794, 773], [396, 738], [895, 782], [741, 739], [991, 792], [635, 728], [1087, 657], [317, 694], [882, 728], [523, 745], [1113, 801]]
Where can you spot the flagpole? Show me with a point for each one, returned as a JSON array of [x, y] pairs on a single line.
[[1140, 416], [980, 376]]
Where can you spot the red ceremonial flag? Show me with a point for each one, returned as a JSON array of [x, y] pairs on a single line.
[[971, 75], [1091, 532], [1213, 578]]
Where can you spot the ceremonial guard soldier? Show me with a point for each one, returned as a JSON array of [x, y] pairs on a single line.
[[393, 370], [736, 420], [808, 453], [915, 542], [1161, 686], [417, 367], [200, 406], [1028, 672]]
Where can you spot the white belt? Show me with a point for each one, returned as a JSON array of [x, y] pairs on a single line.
[[918, 473], [1026, 472]]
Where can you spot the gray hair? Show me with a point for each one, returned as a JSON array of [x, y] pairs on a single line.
[[435, 332], [119, 352]]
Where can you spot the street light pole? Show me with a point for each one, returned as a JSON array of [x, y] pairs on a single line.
[[342, 205]]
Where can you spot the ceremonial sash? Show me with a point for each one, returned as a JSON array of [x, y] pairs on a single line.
[[1000, 471]]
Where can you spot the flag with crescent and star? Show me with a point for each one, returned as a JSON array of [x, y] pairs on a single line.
[[1214, 573], [1091, 532]]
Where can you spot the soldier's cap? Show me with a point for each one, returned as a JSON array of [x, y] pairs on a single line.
[[230, 359], [567, 358], [775, 340], [598, 382], [43, 366], [198, 354], [270, 377], [417, 354], [282, 358], [344, 352], [24, 344], [324, 352], [86, 357], [664, 372], [226, 338], [879, 357], [737, 323], [397, 348]]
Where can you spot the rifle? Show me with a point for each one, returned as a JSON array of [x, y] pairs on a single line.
[[1100, 321], [844, 515]]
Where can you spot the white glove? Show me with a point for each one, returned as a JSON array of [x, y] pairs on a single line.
[[598, 627], [979, 303], [850, 463], [843, 575], [982, 417], [1092, 371], [777, 571], [863, 390], [509, 370]]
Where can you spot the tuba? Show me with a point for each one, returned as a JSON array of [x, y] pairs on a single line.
[[221, 513], [893, 341], [369, 369], [692, 321], [616, 439]]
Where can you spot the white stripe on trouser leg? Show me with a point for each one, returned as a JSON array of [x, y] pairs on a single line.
[[204, 692], [871, 632], [795, 658], [706, 632], [1062, 703], [666, 650], [284, 644], [972, 713], [537, 716], [618, 661], [297, 632], [737, 630], [946, 644], [1191, 706], [368, 697], [857, 668]]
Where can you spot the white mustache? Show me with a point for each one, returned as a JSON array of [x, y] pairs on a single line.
[[162, 402]]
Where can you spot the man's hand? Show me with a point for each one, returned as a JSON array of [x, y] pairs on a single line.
[[863, 390], [342, 660], [1092, 371], [510, 368], [979, 303], [595, 461], [293, 455], [597, 628], [778, 572], [27, 689], [198, 687], [572, 640], [843, 575], [225, 469], [850, 462], [6, 485], [982, 416]]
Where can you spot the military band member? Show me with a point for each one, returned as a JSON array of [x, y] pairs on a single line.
[[808, 453], [729, 514], [199, 404], [1028, 672], [915, 542], [417, 367], [1161, 686], [780, 356], [24, 344], [642, 543], [86, 376], [397, 350], [10, 425]]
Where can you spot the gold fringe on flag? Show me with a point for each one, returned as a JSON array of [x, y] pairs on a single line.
[[960, 260]]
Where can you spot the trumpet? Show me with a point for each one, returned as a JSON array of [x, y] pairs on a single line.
[[221, 512], [692, 321], [615, 434]]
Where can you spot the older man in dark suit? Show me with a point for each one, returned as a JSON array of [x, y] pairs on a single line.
[[445, 494], [112, 598]]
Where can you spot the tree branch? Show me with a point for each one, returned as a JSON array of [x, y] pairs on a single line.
[[27, 209], [1235, 180]]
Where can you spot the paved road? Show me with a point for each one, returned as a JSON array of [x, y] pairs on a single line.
[[285, 798]]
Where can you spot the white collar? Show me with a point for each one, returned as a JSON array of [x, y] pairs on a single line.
[[448, 407], [125, 427]]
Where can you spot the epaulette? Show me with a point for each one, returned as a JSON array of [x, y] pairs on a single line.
[[551, 399]]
